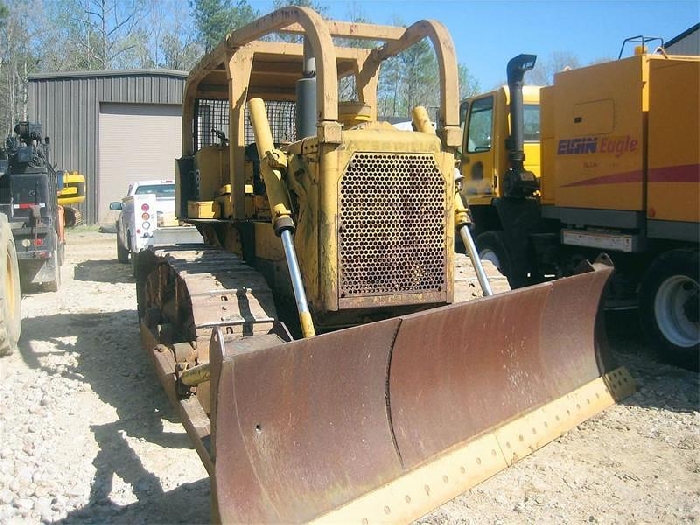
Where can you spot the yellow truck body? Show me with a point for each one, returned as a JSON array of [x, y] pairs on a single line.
[[619, 172], [619, 138]]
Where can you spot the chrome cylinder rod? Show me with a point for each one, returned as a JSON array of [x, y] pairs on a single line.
[[307, 327], [476, 261]]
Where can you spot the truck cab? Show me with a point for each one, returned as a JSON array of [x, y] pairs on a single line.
[[485, 119]]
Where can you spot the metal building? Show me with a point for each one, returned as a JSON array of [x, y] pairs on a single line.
[[687, 43], [115, 127]]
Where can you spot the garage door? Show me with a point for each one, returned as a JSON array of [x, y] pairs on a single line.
[[137, 142]]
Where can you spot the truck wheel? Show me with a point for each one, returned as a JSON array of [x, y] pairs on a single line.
[[135, 264], [669, 304], [55, 283], [10, 293], [122, 252], [491, 247]]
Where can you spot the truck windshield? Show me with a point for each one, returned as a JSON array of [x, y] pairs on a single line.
[[531, 123], [161, 191], [480, 124]]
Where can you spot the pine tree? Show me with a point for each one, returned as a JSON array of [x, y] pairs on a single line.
[[217, 18]]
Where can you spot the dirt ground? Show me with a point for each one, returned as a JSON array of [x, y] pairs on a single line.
[[87, 434]]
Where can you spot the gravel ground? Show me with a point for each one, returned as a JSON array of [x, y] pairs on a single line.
[[87, 435]]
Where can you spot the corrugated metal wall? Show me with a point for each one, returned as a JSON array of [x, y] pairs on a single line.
[[68, 104], [689, 45]]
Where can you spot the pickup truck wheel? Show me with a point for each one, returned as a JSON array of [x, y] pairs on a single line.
[[10, 293], [122, 252], [669, 305], [135, 264]]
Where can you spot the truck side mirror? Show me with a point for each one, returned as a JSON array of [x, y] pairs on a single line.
[[115, 206]]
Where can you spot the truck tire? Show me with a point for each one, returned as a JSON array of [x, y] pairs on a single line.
[[491, 246], [135, 264], [10, 293], [669, 305], [122, 252]]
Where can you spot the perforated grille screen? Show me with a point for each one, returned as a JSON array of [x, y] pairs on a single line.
[[392, 225]]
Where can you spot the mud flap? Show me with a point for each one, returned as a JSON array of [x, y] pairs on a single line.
[[386, 421]]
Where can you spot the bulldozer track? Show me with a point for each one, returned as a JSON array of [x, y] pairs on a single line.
[[215, 288], [206, 288]]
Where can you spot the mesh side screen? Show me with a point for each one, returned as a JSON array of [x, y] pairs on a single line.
[[214, 114], [392, 231], [210, 114], [281, 114]]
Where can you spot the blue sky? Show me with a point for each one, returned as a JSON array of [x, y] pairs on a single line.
[[488, 33]]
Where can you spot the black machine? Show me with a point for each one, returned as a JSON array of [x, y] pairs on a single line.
[[28, 198]]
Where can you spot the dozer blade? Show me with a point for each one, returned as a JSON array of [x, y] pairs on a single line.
[[387, 421]]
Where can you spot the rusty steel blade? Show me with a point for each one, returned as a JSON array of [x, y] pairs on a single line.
[[302, 427], [462, 370], [315, 428]]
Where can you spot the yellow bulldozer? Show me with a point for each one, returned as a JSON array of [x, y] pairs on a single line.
[[332, 357]]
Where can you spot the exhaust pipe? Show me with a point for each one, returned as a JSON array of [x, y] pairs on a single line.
[[518, 182], [306, 96]]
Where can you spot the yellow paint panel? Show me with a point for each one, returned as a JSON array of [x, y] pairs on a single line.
[[604, 196], [212, 165], [598, 121], [674, 140], [202, 209], [674, 201], [548, 150], [595, 118], [267, 245]]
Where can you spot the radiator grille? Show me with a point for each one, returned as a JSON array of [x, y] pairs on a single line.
[[392, 229]]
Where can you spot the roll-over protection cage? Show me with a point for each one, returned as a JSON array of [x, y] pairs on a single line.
[[243, 67]]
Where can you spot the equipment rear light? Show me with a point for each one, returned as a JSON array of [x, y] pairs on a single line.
[[146, 225], [145, 216], [32, 242], [144, 207]]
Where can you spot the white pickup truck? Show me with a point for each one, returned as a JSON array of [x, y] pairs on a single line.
[[147, 219]]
